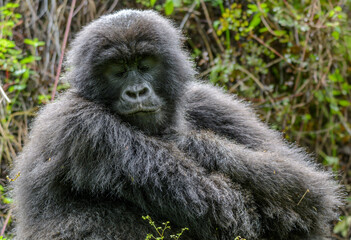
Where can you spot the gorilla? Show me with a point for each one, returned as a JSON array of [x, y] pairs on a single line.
[[137, 135]]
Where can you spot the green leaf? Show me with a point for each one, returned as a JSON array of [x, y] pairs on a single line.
[[252, 7], [335, 35], [19, 87], [177, 3], [28, 59], [7, 200], [279, 33], [343, 226], [19, 72], [331, 160], [7, 43], [334, 108], [6, 12], [262, 30], [306, 117], [264, 5], [344, 103], [12, 5], [10, 89], [169, 7], [216, 24], [152, 2], [332, 13], [336, 76], [336, 92], [35, 42], [346, 87], [26, 74], [332, 24], [337, 9], [255, 21]]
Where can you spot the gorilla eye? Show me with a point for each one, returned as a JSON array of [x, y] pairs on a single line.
[[119, 70], [120, 73], [144, 68], [115, 71], [147, 63]]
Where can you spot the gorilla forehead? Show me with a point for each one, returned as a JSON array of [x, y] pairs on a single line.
[[130, 32]]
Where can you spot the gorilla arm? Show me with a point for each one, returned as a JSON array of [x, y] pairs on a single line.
[[207, 107], [296, 199], [90, 151]]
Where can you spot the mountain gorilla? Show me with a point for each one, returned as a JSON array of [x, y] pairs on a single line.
[[137, 134]]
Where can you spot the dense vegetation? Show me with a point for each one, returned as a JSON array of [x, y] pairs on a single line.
[[290, 58]]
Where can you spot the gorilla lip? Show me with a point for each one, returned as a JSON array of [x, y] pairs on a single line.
[[142, 110]]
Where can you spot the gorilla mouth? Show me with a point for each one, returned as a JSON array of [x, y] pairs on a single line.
[[142, 110]]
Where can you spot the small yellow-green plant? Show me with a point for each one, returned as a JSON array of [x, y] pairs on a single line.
[[239, 238], [161, 230]]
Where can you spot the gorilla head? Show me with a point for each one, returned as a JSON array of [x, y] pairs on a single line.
[[132, 62]]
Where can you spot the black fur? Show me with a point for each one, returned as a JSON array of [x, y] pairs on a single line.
[[214, 168]]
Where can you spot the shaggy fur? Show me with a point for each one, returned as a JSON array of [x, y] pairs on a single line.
[[216, 169]]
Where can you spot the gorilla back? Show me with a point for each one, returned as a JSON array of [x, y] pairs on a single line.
[[137, 134]]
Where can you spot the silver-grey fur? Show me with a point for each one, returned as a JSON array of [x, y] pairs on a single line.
[[86, 174]]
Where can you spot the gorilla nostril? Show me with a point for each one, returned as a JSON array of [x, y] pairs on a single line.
[[131, 94], [144, 91]]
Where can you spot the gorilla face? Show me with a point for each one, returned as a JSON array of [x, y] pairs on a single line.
[[134, 84], [134, 64]]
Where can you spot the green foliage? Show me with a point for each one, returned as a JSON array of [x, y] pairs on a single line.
[[233, 19], [16, 68], [281, 42], [343, 226], [5, 200], [14, 62], [166, 6], [161, 231], [3, 196], [169, 7]]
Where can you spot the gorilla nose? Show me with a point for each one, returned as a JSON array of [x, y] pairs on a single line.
[[136, 93]]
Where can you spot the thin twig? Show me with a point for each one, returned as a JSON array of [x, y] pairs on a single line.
[[311, 12], [209, 22], [187, 15], [303, 196], [265, 23], [63, 49], [240, 68], [4, 94], [204, 38], [330, 62], [114, 4], [270, 48], [85, 2], [6, 222]]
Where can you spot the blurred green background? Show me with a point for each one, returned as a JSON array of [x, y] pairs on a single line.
[[291, 59]]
